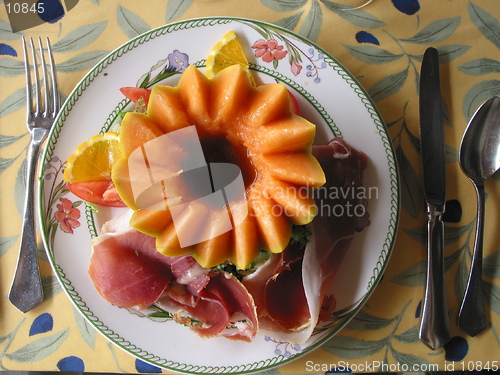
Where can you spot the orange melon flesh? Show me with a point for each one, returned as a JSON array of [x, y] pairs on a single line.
[[277, 147], [289, 167], [297, 202], [245, 242], [137, 129], [298, 132], [229, 90], [165, 109], [197, 106], [268, 103], [121, 179], [151, 222], [175, 238], [274, 228], [216, 249]]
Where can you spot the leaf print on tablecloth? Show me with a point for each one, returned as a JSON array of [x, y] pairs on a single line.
[[176, 8], [410, 336], [284, 5], [435, 32], [486, 23], [357, 348], [491, 267], [79, 38], [364, 321], [87, 331], [481, 66], [6, 163], [413, 276], [372, 55], [51, 286], [38, 349], [492, 296], [130, 23], [13, 102], [411, 191], [6, 31], [312, 23], [10, 67], [354, 348], [291, 22], [388, 85], [477, 94], [83, 61], [451, 52], [6, 243], [357, 17]]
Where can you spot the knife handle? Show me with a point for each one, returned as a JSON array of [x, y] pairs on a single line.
[[435, 323]]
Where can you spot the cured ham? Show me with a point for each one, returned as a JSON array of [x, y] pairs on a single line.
[[126, 268], [291, 287], [128, 271]]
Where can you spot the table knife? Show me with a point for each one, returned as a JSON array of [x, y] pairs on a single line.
[[435, 325]]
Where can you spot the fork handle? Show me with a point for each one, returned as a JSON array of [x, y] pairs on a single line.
[[27, 290]]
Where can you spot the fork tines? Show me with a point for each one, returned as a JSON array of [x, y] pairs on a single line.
[[48, 83]]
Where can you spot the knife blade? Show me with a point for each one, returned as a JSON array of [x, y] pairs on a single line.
[[435, 325]]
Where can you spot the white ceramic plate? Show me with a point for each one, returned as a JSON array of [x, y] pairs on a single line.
[[329, 96]]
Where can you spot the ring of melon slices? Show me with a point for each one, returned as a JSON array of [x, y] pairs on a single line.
[[270, 144]]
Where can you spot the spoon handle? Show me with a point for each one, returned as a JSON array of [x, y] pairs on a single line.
[[472, 317]]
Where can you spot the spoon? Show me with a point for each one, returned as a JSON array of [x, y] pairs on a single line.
[[479, 159]]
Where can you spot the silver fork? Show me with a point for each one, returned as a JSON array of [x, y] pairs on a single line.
[[27, 290]]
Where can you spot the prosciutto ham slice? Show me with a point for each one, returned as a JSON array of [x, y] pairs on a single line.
[[291, 287], [128, 271]]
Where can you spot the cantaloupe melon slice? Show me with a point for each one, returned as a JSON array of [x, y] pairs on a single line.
[[298, 132], [166, 109], [258, 124]]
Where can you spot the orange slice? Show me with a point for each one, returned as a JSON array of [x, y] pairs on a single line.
[[228, 51], [93, 160]]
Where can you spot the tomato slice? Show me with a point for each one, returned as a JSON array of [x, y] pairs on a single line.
[[135, 93], [102, 192]]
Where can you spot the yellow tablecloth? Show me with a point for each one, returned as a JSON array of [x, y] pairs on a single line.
[[382, 45]]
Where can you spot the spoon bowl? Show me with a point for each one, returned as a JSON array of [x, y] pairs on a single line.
[[479, 159]]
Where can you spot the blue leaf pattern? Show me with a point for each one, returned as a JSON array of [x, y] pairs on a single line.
[[456, 349], [42, 324], [147, 368], [53, 10], [366, 37], [71, 363], [408, 7], [5, 49]]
